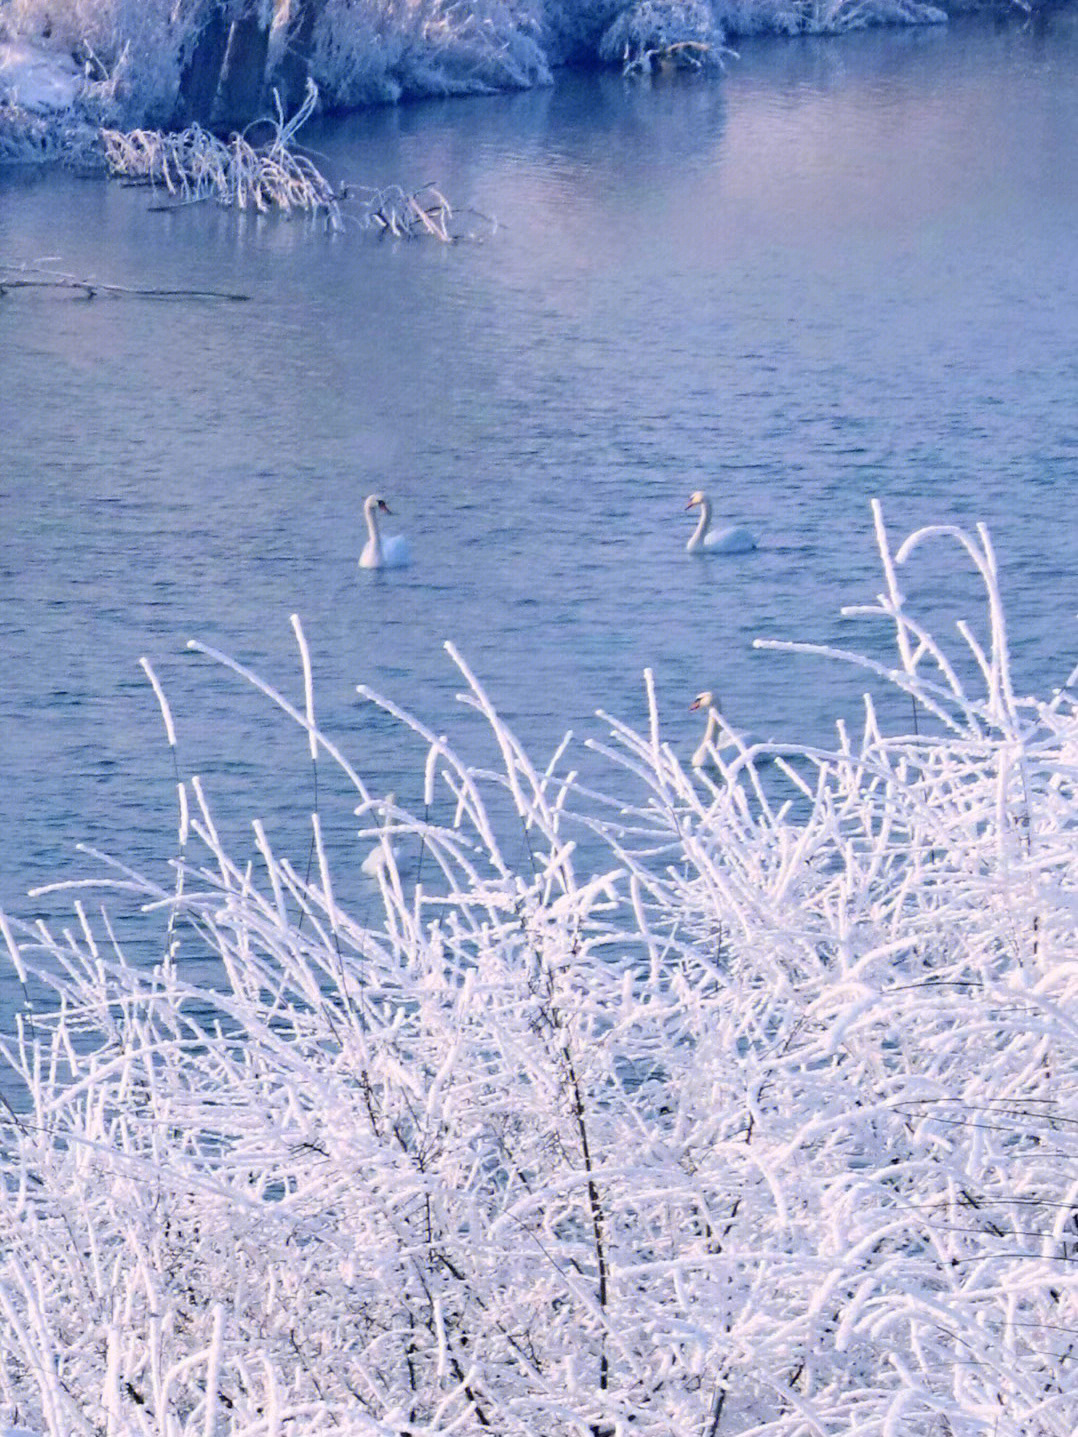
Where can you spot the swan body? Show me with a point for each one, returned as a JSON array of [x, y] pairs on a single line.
[[705, 540], [391, 552], [720, 742], [380, 860]]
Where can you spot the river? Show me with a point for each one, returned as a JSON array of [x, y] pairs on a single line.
[[845, 269]]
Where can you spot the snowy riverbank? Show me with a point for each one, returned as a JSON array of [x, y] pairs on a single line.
[[66, 70], [42, 97]]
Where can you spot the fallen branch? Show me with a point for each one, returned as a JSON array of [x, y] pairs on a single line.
[[412, 214], [680, 55], [32, 277], [192, 164]]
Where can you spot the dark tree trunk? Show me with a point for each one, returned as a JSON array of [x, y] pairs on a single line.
[[223, 83], [241, 89], [291, 74], [202, 72]]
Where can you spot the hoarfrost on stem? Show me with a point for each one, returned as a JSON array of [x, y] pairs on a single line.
[[765, 1124]]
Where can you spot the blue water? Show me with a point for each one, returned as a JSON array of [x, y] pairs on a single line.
[[845, 269]]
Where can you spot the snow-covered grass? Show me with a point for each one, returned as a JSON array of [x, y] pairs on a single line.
[[41, 90], [193, 165], [767, 1123]]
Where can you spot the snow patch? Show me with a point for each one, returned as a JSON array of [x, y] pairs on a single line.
[[38, 79]]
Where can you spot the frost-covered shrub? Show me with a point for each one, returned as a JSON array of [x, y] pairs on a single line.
[[130, 48], [832, 17], [660, 28], [192, 165], [28, 136], [821, 17], [369, 51], [763, 1124]]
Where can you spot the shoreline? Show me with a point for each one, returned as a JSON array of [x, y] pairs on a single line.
[[52, 109]]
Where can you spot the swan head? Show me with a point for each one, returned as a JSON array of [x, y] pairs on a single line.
[[696, 498], [375, 501], [706, 700]]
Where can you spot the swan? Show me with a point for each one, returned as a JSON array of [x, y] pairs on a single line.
[[722, 742], [378, 553], [737, 540], [382, 859], [710, 743]]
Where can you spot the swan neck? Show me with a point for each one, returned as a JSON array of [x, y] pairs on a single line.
[[706, 748], [713, 730], [701, 526], [372, 527]]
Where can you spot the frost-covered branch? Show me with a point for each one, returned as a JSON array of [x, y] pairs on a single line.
[[394, 211], [762, 1119], [195, 165]]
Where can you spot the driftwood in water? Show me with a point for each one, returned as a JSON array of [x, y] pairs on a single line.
[[395, 211], [13, 277], [415, 214]]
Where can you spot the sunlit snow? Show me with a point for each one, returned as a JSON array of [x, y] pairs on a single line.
[[37, 78]]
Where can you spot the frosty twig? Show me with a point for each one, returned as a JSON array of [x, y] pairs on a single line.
[[766, 1120], [194, 164]]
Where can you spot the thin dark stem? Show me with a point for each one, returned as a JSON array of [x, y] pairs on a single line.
[[594, 1205], [716, 1411]]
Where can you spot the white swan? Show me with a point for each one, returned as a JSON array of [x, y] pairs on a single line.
[[382, 859], [378, 553], [387, 853], [722, 742], [710, 743], [736, 540]]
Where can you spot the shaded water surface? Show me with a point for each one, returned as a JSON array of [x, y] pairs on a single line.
[[844, 270]]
